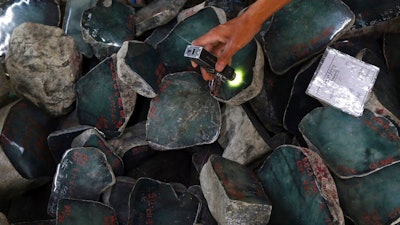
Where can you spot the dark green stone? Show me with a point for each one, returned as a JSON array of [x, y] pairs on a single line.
[[351, 146], [372, 199], [83, 173], [92, 138], [370, 12], [160, 33], [183, 114], [290, 181], [99, 101], [74, 211], [154, 202], [172, 47], [391, 42], [40, 222], [205, 216], [106, 28], [16, 12], [231, 8], [119, 198], [303, 28], [24, 140]]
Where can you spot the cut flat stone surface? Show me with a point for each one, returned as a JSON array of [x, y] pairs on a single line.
[[370, 200], [174, 44], [155, 202], [23, 139], [233, 193], [140, 67], [373, 143], [304, 28], [83, 173], [92, 138], [105, 27], [44, 65], [15, 12], [72, 23], [157, 13], [103, 101], [183, 114], [74, 211], [300, 188], [239, 138]]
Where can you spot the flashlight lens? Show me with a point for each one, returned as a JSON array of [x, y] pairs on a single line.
[[238, 79]]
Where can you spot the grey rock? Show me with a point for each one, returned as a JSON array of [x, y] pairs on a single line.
[[44, 65], [239, 137], [233, 193], [3, 219]]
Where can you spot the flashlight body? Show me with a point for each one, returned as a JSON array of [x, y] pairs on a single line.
[[207, 60]]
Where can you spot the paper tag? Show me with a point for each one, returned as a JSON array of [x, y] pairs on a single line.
[[343, 81]]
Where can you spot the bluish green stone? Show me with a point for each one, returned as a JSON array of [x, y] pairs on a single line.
[[160, 33], [83, 173], [231, 8], [99, 101], [154, 202], [16, 12], [290, 183], [74, 211], [119, 198], [172, 47], [24, 140], [351, 146], [72, 23], [372, 199], [304, 28], [183, 114]]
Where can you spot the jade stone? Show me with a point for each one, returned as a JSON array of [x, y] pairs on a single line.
[[155, 202], [391, 42], [351, 146], [183, 114], [72, 23], [23, 139], [159, 33], [232, 8], [133, 136], [300, 188], [234, 193], [75, 211], [103, 101], [16, 12], [92, 138], [157, 13], [248, 64], [371, 200], [140, 67], [304, 28], [172, 47], [370, 12], [83, 173], [300, 104], [105, 27], [205, 216]]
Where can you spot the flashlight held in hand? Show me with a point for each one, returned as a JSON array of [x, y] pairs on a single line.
[[207, 60]]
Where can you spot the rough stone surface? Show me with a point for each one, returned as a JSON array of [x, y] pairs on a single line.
[[233, 193], [44, 64], [4, 86], [239, 137], [3, 219]]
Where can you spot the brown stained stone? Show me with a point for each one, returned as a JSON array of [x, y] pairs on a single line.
[[233, 193], [239, 137], [44, 64]]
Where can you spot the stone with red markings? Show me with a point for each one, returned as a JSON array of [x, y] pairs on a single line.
[[233, 193]]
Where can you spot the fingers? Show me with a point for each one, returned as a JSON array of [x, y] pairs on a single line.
[[206, 75]]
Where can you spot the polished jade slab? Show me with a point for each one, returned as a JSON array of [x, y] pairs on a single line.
[[100, 99], [172, 47], [23, 139], [351, 146], [300, 103], [16, 12], [372, 199], [72, 23], [184, 114], [391, 42], [92, 138], [304, 28], [297, 190], [107, 27], [83, 173], [370, 12], [74, 211], [155, 202]]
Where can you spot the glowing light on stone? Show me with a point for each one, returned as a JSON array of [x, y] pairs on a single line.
[[238, 78]]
